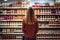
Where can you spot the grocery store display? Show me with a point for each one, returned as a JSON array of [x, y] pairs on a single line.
[[14, 11], [11, 17]]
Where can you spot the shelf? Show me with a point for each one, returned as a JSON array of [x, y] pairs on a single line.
[[23, 33], [10, 20], [10, 27], [12, 15], [13, 33], [43, 21], [24, 14], [55, 24], [9, 8], [11, 24], [49, 20], [49, 28], [20, 21], [13, 8], [40, 28], [48, 14], [39, 36]]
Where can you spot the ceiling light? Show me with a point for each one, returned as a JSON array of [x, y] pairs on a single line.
[[5, 0]]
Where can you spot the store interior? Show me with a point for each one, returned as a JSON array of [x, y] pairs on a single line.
[[12, 12]]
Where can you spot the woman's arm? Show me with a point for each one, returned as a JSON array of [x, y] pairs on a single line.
[[23, 26], [37, 28]]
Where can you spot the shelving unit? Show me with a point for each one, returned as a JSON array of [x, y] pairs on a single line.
[[11, 25]]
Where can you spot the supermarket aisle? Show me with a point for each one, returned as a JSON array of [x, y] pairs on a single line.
[[13, 12]]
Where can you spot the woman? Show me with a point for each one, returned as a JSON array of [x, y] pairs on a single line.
[[30, 25]]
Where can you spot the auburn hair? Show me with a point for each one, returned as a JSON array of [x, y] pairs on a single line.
[[30, 16]]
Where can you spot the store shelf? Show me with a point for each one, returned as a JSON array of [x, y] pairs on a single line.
[[12, 14], [13, 33], [41, 14], [49, 20], [54, 24], [13, 8], [43, 21], [20, 21], [38, 38], [10, 27], [10, 20], [49, 27], [58, 28], [40, 28], [53, 14], [11, 24], [23, 33]]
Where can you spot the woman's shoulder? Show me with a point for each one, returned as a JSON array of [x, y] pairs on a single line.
[[24, 19], [36, 19]]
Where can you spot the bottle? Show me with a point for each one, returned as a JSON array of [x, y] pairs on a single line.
[[43, 11], [23, 11], [48, 12], [15, 11], [59, 11], [8, 24], [19, 11], [40, 17], [38, 11], [4, 30], [11, 12], [53, 18], [45, 17], [3, 23], [50, 18], [5, 12], [8, 30], [34, 11]]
